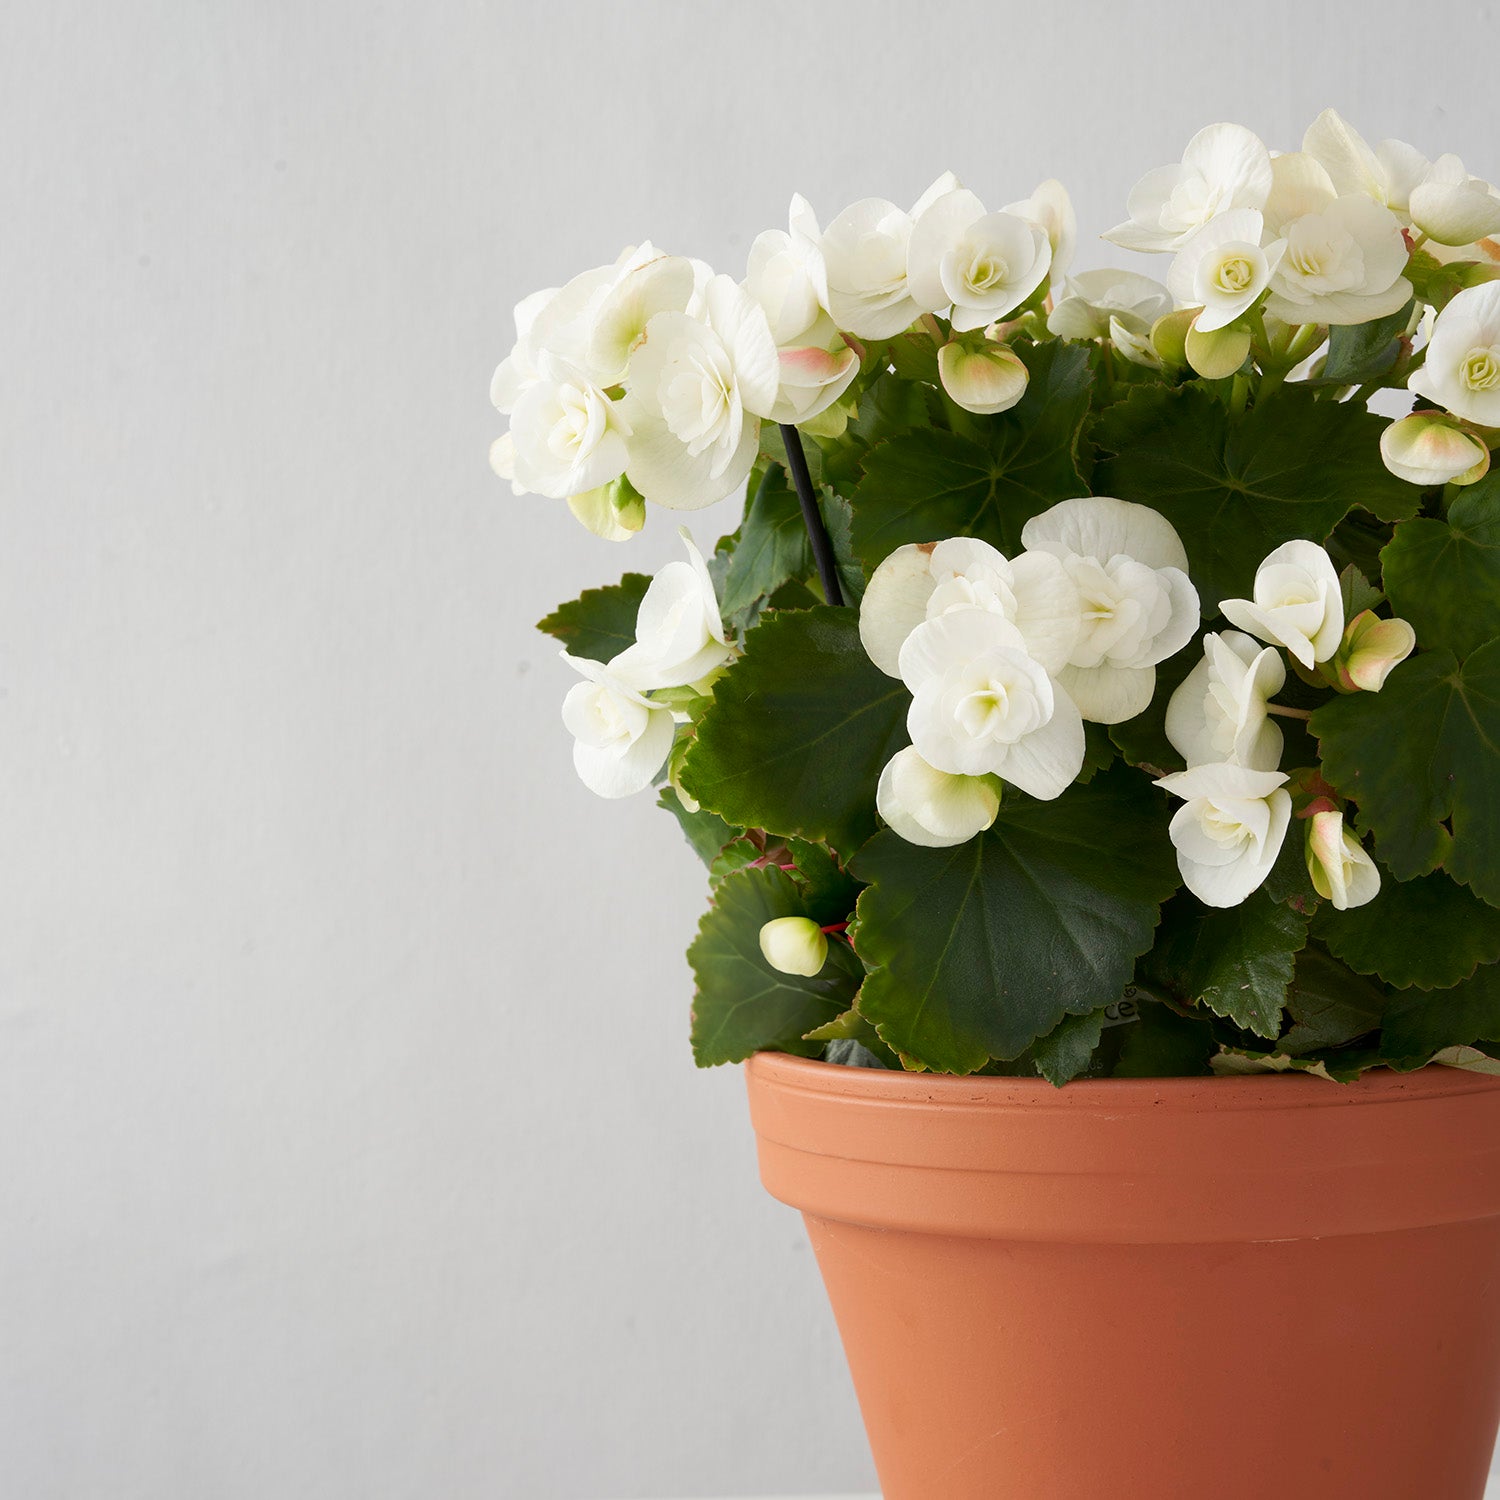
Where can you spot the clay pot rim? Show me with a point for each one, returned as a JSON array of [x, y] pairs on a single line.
[[1196, 1095]]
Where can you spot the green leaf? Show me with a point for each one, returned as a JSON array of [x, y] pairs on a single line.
[[930, 484], [743, 1005], [1238, 487], [799, 731], [1444, 576], [705, 831], [1163, 1044], [1357, 592], [838, 517], [1236, 960], [600, 623], [1422, 752], [1358, 352], [1329, 1006], [1420, 1023], [772, 547], [1068, 1049], [978, 950], [1428, 933]]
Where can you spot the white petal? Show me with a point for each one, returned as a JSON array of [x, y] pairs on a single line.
[[895, 603], [1103, 528], [1108, 694], [1047, 761], [929, 807], [936, 645], [741, 323], [932, 236], [1047, 608], [622, 775]]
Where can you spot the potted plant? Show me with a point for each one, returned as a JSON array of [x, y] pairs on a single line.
[[1092, 731]]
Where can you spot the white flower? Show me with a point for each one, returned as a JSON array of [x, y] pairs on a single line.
[[621, 739], [1052, 208], [931, 807], [794, 945], [1225, 167], [1462, 372], [617, 326], [1094, 302], [566, 435], [1223, 268], [786, 274], [985, 381], [864, 255], [1137, 606], [814, 374], [1344, 256], [980, 264], [1427, 448], [697, 391], [1296, 603], [1219, 712], [1452, 207], [1229, 830], [679, 635], [982, 706], [1341, 870], [519, 368], [1388, 173], [924, 580]]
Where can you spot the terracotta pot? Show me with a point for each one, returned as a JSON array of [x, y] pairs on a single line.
[[1262, 1288]]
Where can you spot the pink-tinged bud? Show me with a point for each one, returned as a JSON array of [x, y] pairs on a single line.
[[985, 380], [1370, 649], [1341, 870], [1429, 448]]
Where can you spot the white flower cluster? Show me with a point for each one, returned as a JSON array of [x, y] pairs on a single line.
[[648, 379], [1236, 808], [621, 735], [1316, 238], [1006, 657]]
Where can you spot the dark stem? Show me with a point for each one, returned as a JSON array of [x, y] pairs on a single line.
[[812, 518]]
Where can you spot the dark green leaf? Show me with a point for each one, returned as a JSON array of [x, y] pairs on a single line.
[[799, 731], [839, 519], [1238, 487], [930, 484], [743, 1005], [1420, 1023], [1423, 750], [705, 831], [980, 949], [1163, 1044], [1329, 1006], [772, 548], [1429, 933], [1067, 1050], [1444, 576], [1358, 593], [1358, 352], [600, 623], [1236, 960]]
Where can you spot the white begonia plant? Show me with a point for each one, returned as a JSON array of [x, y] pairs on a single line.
[[1224, 168], [1137, 606], [1342, 872], [1296, 603], [696, 394], [982, 706], [934, 808], [1117, 305], [979, 266], [1225, 267], [1462, 370], [864, 252], [924, 580], [1219, 714], [566, 435], [1229, 830]]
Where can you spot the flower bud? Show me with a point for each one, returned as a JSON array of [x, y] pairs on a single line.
[[1217, 354], [794, 945], [983, 381], [1370, 648], [1169, 336], [1341, 870], [1428, 447], [615, 511]]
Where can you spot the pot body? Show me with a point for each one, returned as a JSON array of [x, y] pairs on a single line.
[[1258, 1288]]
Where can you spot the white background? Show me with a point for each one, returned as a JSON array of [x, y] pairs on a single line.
[[349, 1141]]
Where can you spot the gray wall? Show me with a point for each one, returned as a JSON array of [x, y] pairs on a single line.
[[349, 1140]]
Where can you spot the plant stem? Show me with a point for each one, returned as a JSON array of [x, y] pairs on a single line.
[[812, 518], [1283, 712]]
